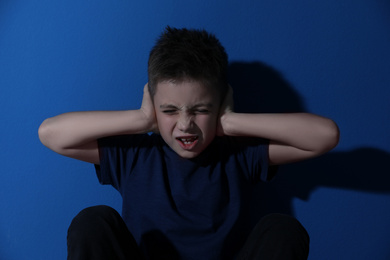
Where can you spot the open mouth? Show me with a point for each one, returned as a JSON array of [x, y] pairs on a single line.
[[187, 142]]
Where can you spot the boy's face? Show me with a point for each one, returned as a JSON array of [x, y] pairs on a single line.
[[187, 114]]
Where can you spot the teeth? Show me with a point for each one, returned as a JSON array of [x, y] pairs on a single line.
[[188, 140]]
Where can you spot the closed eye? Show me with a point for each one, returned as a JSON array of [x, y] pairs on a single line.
[[201, 111], [169, 111], [203, 108]]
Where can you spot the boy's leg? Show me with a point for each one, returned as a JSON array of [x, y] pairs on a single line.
[[275, 237], [100, 233]]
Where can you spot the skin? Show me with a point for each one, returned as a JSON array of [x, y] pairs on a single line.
[[185, 114]]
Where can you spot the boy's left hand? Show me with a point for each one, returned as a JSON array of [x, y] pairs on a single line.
[[226, 108]]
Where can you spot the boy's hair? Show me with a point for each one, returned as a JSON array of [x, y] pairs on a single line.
[[188, 54]]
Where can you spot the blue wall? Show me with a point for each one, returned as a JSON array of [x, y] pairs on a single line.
[[327, 57]]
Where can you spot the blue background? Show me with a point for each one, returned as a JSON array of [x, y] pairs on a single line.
[[326, 57]]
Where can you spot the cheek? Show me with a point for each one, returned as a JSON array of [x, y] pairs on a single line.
[[165, 124], [209, 125]]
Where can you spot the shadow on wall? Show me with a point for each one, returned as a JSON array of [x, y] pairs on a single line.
[[345, 170]]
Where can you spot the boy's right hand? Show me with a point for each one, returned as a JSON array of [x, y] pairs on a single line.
[[147, 108]]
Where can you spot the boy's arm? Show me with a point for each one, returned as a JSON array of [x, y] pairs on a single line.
[[293, 137], [75, 134]]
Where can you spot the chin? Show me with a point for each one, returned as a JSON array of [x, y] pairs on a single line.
[[188, 155]]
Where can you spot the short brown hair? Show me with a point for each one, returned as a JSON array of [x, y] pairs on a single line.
[[181, 54]]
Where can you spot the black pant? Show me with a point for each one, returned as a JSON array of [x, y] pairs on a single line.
[[100, 233]]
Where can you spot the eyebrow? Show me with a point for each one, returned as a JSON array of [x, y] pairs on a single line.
[[208, 105]]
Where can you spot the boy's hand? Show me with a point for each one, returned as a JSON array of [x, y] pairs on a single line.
[[226, 108], [147, 108]]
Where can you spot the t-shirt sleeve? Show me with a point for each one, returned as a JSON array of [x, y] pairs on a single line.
[[117, 154], [253, 157]]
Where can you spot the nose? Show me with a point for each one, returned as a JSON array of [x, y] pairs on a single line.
[[184, 122]]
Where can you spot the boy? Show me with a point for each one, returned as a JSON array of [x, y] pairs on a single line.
[[186, 189]]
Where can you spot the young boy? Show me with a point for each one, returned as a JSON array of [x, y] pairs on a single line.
[[186, 187]]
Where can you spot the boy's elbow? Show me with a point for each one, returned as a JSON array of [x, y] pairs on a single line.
[[46, 135], [44, 132], [331, 136]]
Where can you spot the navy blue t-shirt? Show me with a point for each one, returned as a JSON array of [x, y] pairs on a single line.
[[180, 208]]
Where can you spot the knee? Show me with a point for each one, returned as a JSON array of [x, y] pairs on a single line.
[[100, 211], [284, 226], [278, 236], [89, 222]]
